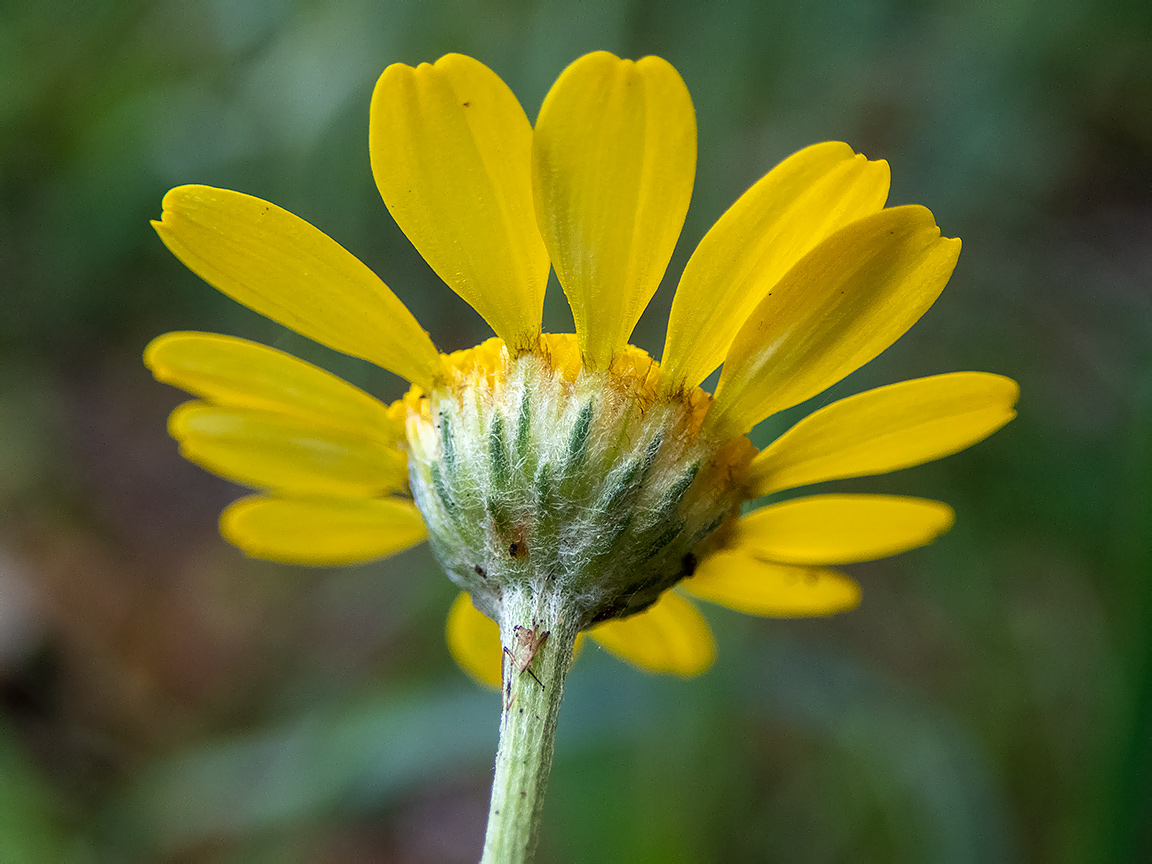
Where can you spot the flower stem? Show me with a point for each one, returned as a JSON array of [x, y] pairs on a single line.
[[537, 653]]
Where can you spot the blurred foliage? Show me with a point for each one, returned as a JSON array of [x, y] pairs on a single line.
[[164, 699]]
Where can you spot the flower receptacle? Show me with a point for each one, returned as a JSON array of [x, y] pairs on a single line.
[[588, 488]]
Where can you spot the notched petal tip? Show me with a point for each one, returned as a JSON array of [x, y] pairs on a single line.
[[613, 164], [179, 200], [285, 268], [450, 151]]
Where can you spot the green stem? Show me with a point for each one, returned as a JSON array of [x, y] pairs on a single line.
[[537, 653]]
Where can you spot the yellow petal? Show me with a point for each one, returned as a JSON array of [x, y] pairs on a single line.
[[474, 641], [841, 529], [237, 373], [736, 579], [613, 160], [451, 151], [885, 429], [284, 268], [671, 636], [272, 451], [793, 207], [837, 308], [322, 532]]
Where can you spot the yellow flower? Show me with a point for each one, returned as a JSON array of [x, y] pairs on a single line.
[[533, 456]]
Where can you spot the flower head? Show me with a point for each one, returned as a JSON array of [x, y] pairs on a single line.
[[574, 467]]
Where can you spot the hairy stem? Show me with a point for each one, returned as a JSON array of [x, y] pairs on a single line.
[[537, 653]]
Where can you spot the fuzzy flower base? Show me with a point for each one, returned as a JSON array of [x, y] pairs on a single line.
[[536, 473]]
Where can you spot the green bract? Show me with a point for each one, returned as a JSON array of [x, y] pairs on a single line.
[[592, 488]]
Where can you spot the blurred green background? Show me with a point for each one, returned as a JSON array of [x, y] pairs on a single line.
[[164, 699]]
